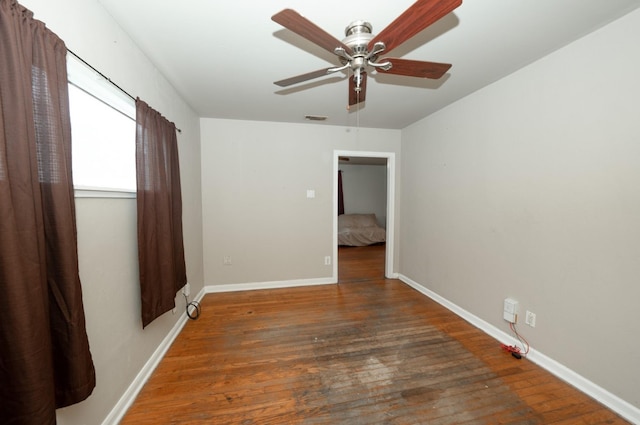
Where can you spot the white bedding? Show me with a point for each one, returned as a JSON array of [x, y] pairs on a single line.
[[359, 230]]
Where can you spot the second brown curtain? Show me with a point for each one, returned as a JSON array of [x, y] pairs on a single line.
[[160, 245]]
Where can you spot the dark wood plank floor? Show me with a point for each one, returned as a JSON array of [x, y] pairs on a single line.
[[367, 351]]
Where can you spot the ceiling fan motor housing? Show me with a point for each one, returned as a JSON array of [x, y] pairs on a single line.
[[358, 34]]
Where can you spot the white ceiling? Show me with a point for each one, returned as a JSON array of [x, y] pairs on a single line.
[[223, 56]]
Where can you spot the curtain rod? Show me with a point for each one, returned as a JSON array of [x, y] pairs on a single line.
[[107, 78]]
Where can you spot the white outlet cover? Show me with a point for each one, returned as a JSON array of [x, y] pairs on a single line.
[[530, 319]]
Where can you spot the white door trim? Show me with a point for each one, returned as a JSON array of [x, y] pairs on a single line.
[[391, 196]]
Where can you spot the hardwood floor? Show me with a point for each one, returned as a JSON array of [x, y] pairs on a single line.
[[367, 351]]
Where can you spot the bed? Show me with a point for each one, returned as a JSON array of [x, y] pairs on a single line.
[[359, 230]]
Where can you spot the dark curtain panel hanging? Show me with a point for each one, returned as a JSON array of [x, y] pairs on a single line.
[[160, 245], [45, 361], [340, 195]]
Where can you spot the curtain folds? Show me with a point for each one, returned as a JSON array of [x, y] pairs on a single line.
[[45, 362], [340, 194], [160, 244]]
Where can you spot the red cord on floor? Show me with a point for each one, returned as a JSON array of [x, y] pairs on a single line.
[[510, 348]]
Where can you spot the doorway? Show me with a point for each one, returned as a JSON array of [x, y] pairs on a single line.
[[389, 157]]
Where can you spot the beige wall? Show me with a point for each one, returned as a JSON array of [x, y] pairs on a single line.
[[255, 176], [106, 227], [365, 190], [529, 189]]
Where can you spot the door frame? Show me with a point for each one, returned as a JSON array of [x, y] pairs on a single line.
[[391, 196]]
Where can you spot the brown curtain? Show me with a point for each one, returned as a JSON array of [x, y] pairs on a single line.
[[340, 194], [45, 361], [160, 245]]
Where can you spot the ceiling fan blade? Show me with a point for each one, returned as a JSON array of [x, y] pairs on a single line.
[[411, 68], [416, 18], [354, 96], [297, 23], [304, 77]]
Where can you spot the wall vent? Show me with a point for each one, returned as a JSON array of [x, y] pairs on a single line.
[[315, 117]]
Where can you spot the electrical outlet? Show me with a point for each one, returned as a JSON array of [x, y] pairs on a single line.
[[226, 260], [327, 260], [186, 290], [530, 319]]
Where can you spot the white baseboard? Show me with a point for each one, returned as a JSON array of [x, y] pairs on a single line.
[[129, 396], [613, 402], [210, 289], [618, 405]]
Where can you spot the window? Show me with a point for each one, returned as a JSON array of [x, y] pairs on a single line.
[[103, 131]]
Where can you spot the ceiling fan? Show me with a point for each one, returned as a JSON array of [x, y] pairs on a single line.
[[360, 51]]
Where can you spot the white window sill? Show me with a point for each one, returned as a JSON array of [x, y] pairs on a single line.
[[94, 192]]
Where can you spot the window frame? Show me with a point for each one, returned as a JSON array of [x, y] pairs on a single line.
[[83, 77]]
